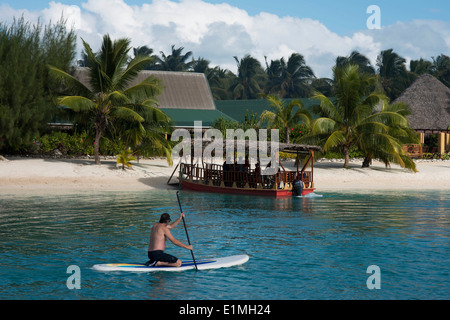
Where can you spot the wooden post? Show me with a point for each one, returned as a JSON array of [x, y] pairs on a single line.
[[441, 143], [447, 142], [312, 169], [173, 173]]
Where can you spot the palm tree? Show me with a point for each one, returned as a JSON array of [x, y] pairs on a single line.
[[291, 79], [176, 61], [323, 85], [107, 98], [145, 51], [352, 119], [357, 58], [247, 83], [125, 157], [142, 51], [392, 71], [200, 65], [219, 80], [148, 138], [419, 67], [441, 69], [395, 132], [284, 116]]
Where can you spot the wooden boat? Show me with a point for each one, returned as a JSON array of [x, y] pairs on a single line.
[[207, 177]]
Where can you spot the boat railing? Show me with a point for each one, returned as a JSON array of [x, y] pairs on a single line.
[[214, 175]]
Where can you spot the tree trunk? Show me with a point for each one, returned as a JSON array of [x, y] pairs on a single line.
[[347, 156], [367, 161], [98, 135], [287, 136], [100, 126]]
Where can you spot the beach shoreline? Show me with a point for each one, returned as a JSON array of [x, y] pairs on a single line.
[[46, 175]]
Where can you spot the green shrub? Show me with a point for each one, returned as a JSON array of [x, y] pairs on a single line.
[[78, 144]]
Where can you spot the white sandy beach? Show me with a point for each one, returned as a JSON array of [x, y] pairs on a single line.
[[23, 175]]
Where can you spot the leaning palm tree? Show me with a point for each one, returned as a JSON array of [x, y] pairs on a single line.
[[353, 120], [398, 133], [285, 116], [108, 96]]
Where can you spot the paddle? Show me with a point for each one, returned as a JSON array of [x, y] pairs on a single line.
[[187, 235]]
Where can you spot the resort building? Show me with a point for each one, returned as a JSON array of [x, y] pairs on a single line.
[[429, 100], [238, 109], [186, 96]]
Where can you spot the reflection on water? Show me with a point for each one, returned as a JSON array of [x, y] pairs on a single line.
[[316, 247]]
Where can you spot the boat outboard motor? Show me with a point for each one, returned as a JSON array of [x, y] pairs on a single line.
[[297, 188]]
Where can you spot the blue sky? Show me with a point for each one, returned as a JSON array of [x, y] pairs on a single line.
[[343, 16], [220, 29]]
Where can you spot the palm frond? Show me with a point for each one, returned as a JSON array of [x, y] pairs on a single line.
[[399, 107], [327, 107], [126, 114], [389, 118], [69, 81], [77, 103], [335, 139], [117, 98], [136, 65], [268, 116], [149, 87], [323, 125]]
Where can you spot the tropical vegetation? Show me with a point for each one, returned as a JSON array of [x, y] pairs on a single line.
[[353, 114], [289, 79], [26, 89], [125, 157], [108, 100], [285, 116], [360, 116]]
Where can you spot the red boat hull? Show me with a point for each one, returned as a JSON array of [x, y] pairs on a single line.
[[276, 193]]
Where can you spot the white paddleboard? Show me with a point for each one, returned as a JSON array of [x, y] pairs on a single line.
[[186, 265]]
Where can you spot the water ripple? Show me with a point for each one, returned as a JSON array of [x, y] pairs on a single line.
[[299, 248]]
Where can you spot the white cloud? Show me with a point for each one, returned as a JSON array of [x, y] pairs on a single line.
[[218, 32], [414, 39]]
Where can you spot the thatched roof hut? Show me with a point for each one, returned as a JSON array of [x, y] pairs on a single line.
[[429, 100]]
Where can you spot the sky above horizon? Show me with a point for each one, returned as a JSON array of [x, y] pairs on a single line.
[[217, 30]]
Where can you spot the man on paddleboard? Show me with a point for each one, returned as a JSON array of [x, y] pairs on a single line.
[[161, 232]]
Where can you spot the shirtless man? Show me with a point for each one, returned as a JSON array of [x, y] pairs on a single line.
[[161, 232]]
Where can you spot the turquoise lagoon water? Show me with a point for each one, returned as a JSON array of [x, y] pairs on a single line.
[[299, 248]]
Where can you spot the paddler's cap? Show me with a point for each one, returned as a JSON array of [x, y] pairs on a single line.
[[165, 218]]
